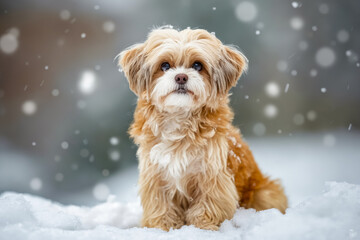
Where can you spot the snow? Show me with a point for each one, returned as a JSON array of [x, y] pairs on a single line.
[[333, 214], [87, 83], [55, 92], [296, 23], [65, 15], [304, 162], [109, 26], [295, 4], [64, 145], [313, 72], [270, 111], [114, 141], [324, 8], [9, 42], [311, 115], [29, 107], [246, 11], [114, 155], [272, 89], [259, 129], [325, 57], [286, 87]]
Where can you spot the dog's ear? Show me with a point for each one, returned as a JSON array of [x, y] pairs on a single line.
[[132, 62], [232, 64]]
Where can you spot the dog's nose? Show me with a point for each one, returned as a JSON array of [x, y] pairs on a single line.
[[181, 78]]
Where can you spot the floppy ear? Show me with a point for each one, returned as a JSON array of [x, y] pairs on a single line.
[[232, 64], [132, 63]]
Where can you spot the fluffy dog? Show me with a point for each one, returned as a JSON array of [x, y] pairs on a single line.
[[195, 169]]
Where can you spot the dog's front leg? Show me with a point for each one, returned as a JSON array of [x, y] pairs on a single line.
[[216, 201], [157, 199]]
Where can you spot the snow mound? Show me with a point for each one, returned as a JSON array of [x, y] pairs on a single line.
[[335, 214]]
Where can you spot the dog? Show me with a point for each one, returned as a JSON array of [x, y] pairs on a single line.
[[194, 167]]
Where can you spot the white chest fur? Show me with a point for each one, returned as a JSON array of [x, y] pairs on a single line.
[[176, 159], [175, 156]]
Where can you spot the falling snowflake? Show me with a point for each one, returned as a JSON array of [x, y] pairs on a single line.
[[65, 15], [101, 191], [270, 111], [282, 66], [55, 92], [324, 8], [114, 141], [114, 155], [296, 23], [295, 4], [352, 56], [286, 87], [293, 73], [246, 11], [272, 89], [311, 115], [29, 107], [109, 26], [313, 72], [36, 184], [259, 129], [325, 57], [64, 145], [9, 43], [343, 36], [87, 82]]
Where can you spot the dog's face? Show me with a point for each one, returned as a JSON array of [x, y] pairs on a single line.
[[182, 70]]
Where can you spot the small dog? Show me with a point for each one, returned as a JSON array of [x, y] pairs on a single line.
[[195, 169]]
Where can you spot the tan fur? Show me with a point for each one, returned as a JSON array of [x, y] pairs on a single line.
[[194, 167]]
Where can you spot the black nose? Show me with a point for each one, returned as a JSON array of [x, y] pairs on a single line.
[[181, 78]]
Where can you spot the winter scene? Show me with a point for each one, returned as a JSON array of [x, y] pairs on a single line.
[[72, 82]]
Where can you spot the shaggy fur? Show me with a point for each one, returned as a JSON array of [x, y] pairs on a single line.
[[195, 169]]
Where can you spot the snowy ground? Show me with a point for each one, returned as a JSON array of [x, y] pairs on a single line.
[[319, 210]]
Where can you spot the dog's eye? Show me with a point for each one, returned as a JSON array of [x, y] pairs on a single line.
[[165, 66], [197, 66]]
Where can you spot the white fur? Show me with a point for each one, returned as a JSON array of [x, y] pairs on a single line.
[[166, 84], [174, 158], [176, 161]]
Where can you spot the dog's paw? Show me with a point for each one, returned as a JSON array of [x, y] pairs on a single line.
[[203, 222], [165, 223], [209, 227]]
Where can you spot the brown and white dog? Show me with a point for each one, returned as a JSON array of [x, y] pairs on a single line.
[[195, 169]]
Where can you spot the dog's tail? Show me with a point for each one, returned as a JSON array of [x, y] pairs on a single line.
[[269, 195]]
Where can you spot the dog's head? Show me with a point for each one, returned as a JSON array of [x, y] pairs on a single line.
[[182, 70]]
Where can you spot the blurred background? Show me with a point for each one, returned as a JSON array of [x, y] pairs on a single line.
[[65, 106]]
